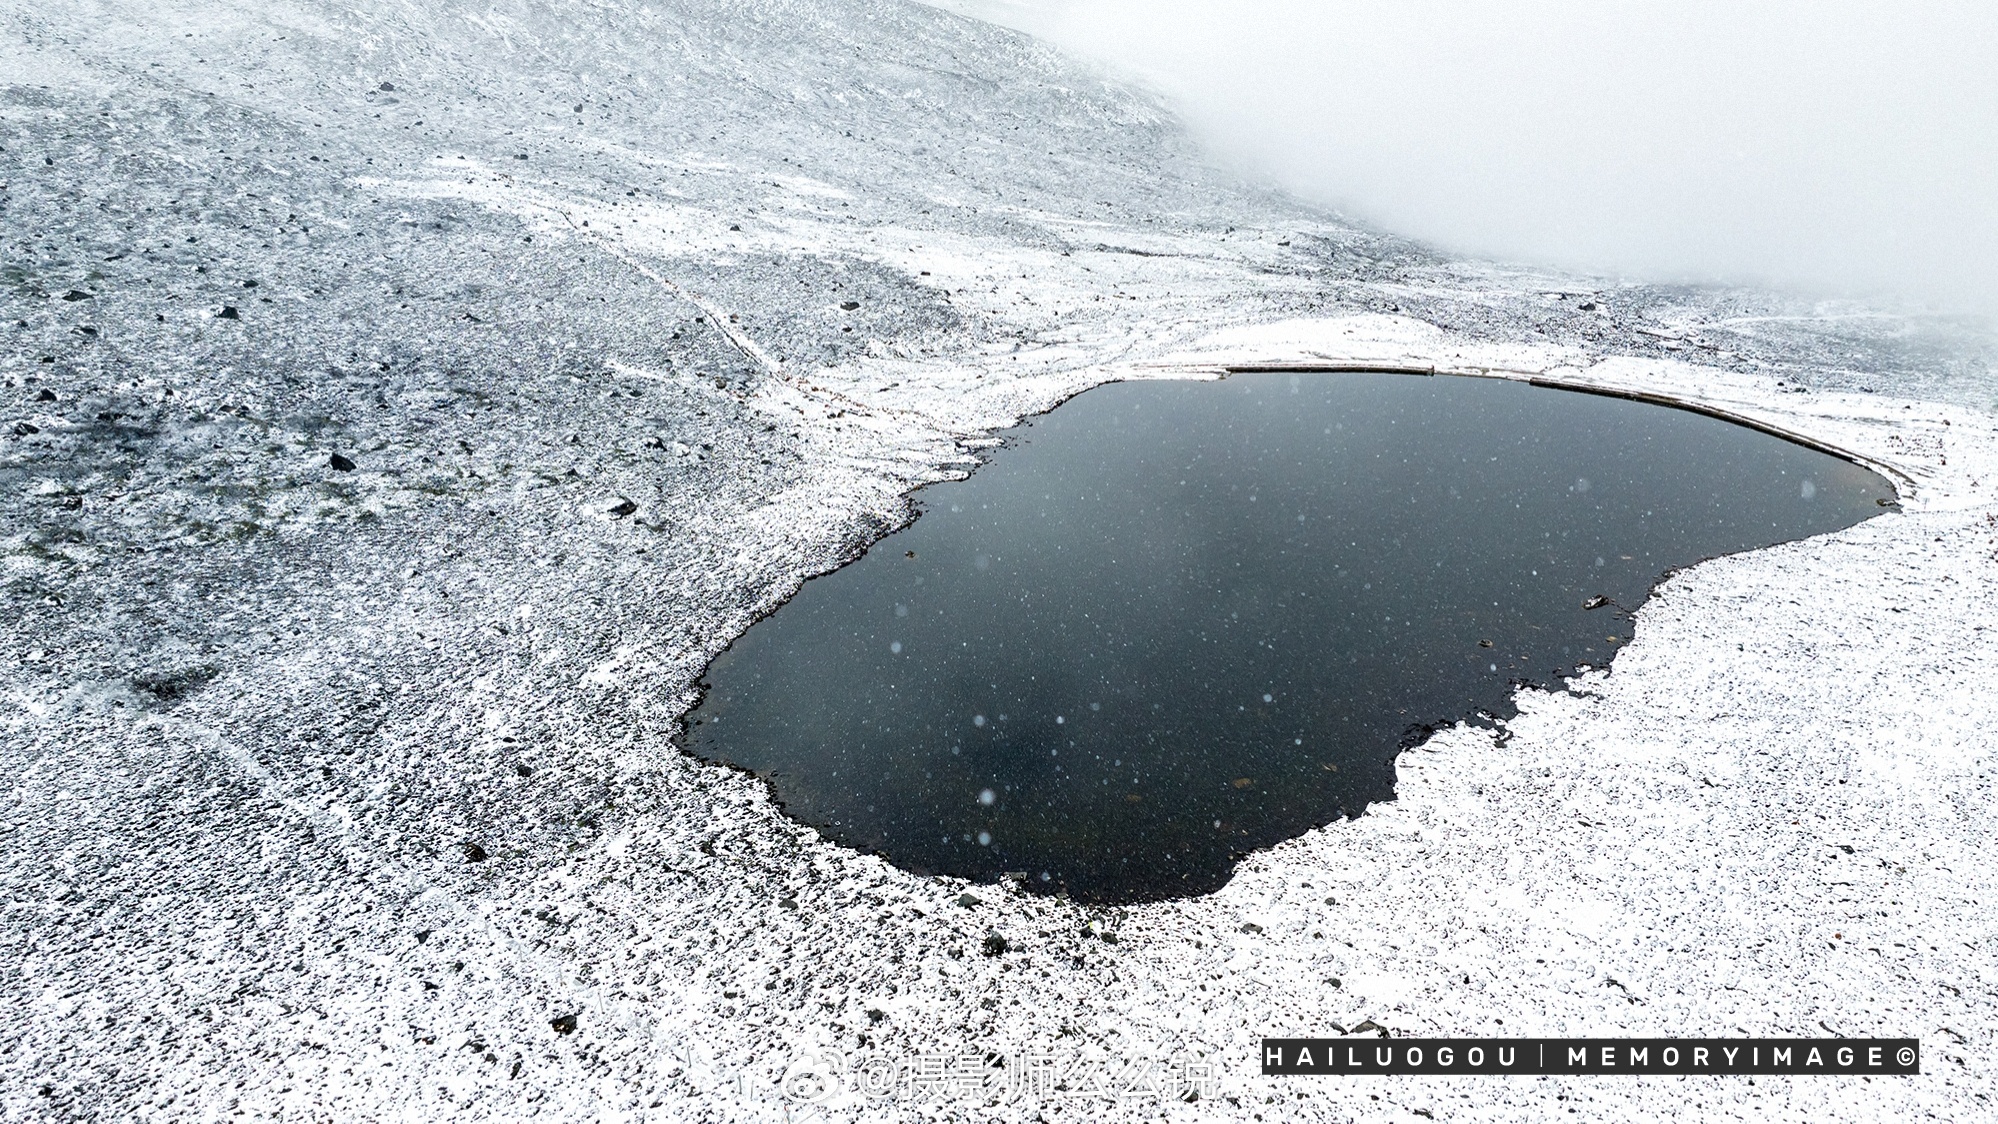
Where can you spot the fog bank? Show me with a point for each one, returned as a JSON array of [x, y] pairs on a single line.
[[1841, 147]]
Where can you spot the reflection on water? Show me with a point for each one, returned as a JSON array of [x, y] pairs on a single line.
[[1172, 622]]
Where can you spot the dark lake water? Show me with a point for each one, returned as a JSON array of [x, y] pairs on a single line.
[[1172, 622]]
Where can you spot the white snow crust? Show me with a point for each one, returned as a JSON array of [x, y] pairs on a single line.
[[332, 794]]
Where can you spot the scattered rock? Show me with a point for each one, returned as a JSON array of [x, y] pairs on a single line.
[[1369, 1027], [563, 1024], [249, 284], [1587, 306], [23, 429], [621, 508], [849, 305], [968, 902], [1251, 927], [423, 936], [524, 769], [473, 852], [77, 295], [1484, 643], [339, 463], [46, 396], [228, 313], [1596, 602], [176, 683], [995, 945], [788, 903], [386, 87]]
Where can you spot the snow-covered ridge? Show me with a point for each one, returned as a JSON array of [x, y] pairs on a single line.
[[337, 790]]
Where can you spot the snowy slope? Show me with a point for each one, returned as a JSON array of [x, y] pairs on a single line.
[[334, 790]]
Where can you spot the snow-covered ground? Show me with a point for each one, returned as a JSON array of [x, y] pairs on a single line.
[[350, 793]]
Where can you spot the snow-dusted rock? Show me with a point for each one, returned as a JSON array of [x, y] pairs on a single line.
[[348, 793]]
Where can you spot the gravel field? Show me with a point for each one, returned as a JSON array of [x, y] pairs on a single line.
[[403, 403]]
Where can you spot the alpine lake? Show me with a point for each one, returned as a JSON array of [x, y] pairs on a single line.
[[1172, 622]]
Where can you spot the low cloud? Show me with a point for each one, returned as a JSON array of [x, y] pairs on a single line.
[[1833, 147]]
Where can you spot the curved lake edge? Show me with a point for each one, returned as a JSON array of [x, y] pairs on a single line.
[[981, 447], [1648, 397]]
